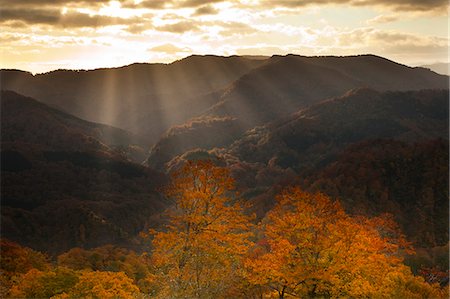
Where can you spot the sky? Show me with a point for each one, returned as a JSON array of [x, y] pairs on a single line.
[[43, 35]]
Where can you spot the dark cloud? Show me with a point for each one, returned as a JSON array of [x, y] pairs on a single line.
[[33, 16], [406, 4], [197, 3], [54, 17], [205, 10], [84, 20], [396, 4], [54, 3], [160, 4], [152, 4], [180, 27]]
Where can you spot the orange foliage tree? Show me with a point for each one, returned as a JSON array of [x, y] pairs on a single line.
[[199, 255], [102, 284], [312, 248], [15, 261], [108, 258], [43, 284]]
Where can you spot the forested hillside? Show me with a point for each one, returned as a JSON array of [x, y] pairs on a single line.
[[66, 182], [226, 177], [307, 245]]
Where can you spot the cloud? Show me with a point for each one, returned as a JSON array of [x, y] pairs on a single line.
[[169, 49], [205, 10], [202, 5], [152, 4], [34, 16], [161, 4], [235, 28], [396, 45], [262, 49], [179, 27], [54, 17], [50, 3], [398, 42], [411, 5], [196, 3], [382, 19], [137, 28], [7, 38]]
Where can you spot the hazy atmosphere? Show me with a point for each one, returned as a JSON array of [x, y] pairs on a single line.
[[43, 35], [254, 149]]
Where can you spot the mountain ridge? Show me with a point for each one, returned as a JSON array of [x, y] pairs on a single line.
[[61, 187], [285, 84], [20, 114], [279, 121], [127, 97]]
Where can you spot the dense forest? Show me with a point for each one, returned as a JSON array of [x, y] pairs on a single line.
[[213, 247], [226, 177]]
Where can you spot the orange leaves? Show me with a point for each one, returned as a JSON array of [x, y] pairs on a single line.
[[17, 260], [107, 285], [307, 247], [43, 284], [199, 254], [26, 273], [316, 249]]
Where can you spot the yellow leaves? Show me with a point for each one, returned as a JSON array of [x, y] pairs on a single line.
[[199, 254], [104, 285], [315, 249], [308, 247], [17, 259], [29, 285], [43, 284]]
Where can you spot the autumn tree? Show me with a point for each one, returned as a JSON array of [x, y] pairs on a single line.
[[16, 260], [199, 255], [312, 248], [102, 285], [107, 258], [43, 284]]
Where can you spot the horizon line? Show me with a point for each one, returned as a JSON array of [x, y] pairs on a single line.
[[249, 56]]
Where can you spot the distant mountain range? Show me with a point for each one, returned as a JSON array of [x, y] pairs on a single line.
[[142, 98], [365, 129], [440, 68], [282, 86], [147, 99]]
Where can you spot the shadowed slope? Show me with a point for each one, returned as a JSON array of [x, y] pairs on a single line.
[[29, 121], [285, 84], [291, 82], [314, 133], [143, 98], [63, 184]]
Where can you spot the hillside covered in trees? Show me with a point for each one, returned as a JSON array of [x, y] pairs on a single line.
[[226, 177], [211, 247]]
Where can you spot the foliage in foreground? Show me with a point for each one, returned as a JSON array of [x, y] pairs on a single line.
[[306, 246]]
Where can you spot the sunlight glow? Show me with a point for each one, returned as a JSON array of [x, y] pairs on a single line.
[[113, 8], [221, 27]]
